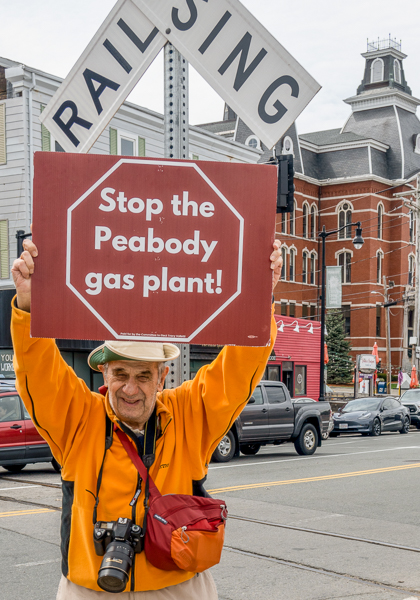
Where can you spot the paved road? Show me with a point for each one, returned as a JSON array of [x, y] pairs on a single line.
[[353, 487]]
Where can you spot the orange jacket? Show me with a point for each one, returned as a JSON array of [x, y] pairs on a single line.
[[193, 419]]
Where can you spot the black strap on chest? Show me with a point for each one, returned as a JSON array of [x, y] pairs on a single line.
[[145, 447]]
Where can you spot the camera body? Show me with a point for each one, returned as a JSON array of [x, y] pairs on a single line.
[[117, 541]]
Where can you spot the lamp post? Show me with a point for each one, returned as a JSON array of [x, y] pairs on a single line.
[[358, 242]]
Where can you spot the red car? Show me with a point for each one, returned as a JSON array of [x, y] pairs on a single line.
[[20, 442]]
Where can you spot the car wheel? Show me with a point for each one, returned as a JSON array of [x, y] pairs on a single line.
[[406, 425], [325, 436], [225, 449], [249, 449], [418, 425], [56, 466], [307, 442], [14, 468], [376, 427]]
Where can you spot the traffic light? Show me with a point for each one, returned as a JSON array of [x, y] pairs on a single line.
[[285, 185]]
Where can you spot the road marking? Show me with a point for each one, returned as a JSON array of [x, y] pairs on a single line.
[[251, 486], [35, 564], [18, 513], [20, 487], [317, 457]]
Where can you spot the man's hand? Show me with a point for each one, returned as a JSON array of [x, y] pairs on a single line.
[[22, 271], [276, 262]]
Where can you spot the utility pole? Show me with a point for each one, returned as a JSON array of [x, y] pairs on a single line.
[[388, 338], [176, 139], [412, 200]]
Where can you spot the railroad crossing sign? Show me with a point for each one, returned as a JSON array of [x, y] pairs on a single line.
[[156, 249], [238, 57]]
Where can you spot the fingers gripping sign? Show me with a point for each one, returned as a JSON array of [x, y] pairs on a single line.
[[22, 271], [276, 262]]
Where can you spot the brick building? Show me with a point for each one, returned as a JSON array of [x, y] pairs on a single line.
[[348, 175]]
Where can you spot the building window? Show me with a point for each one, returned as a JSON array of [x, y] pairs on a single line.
[[292, 220], [344, 261], [253, 142], [283, 267], [380, 220], [305, 221], [313, 269], [411, 222], [292, 263], [379, 259], [283, 309], [410, 269], [3, 134], [300, 380], [304, 266], [378, 320], [292, 309], [283, 223], [377, 70], [126, 144], [304, 311], [345, 309], [313, 222], [4, 249], [397, 71], [287, 146], [344, 218], [312, 310]]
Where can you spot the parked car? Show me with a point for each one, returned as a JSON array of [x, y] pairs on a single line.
[[325, 434], [371, 416], [411, 399], [270, 417], [20, 442]]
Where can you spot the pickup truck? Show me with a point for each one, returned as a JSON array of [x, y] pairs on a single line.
[[271, 417]]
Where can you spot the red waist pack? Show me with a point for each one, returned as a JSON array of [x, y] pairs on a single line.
[[180, 532]]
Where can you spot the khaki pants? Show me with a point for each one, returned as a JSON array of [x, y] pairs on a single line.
[[200, 587]]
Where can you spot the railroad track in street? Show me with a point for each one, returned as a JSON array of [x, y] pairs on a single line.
[[261, 556]]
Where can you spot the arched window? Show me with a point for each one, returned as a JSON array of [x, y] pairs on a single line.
[[411, 264], [253, 142], [283, 268], [397, 71], [305, 220], [292, 264], [377, 70], [283, 223], [313, 222], [287, 145], [380, 219], [344, 261], [304, 266], [313, 267], [379, 260], [292, 222], [344, 218], [411, 223]]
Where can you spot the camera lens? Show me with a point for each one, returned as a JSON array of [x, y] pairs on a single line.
[[115, 567]]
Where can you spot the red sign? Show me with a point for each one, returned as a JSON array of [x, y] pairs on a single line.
[[152, 249]]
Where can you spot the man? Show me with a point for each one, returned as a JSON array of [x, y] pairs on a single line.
[[102, 484]]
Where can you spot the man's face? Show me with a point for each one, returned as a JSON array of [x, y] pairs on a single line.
[[132, 389]]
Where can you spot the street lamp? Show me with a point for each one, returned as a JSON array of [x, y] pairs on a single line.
[[358, 242]]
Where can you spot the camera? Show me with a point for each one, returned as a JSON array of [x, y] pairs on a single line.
[[117, 541]]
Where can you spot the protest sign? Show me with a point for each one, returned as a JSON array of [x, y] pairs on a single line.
[[152, 249]]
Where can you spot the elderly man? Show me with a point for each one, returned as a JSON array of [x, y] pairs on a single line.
[[100, 483]]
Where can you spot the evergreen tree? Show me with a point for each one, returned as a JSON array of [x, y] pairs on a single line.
[[340, 365]]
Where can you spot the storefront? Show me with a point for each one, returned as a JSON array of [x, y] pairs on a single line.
[[295, 357]]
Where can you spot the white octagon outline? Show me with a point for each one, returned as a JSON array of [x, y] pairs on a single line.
[[217, 192]]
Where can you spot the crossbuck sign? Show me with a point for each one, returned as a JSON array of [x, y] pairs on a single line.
[[237, 56]]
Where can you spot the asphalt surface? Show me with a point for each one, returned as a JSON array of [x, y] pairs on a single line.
[[340, 524]]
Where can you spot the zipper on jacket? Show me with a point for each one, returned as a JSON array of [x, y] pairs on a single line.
[[133, 517]]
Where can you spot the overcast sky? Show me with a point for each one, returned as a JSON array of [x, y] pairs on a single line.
[[325, 36]]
